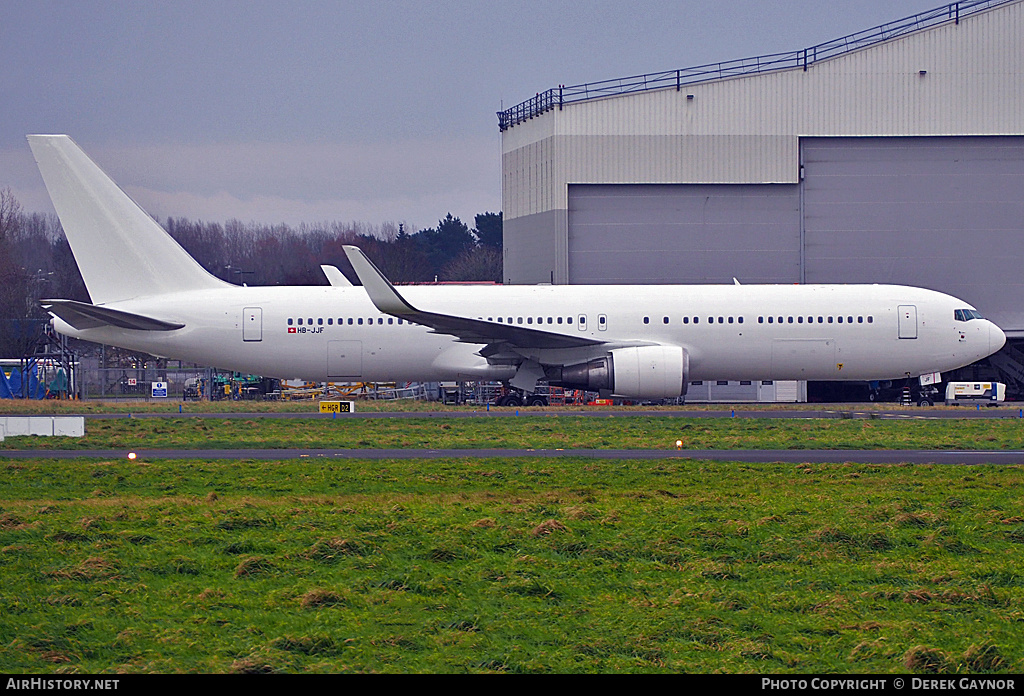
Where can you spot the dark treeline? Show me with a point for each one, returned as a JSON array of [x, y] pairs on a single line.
[[258, 254], [36, 260]]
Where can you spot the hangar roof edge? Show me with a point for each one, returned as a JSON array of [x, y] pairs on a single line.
[[556, 97]]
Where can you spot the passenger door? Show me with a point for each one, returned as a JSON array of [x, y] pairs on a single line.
[[908, 321], [252, 324]]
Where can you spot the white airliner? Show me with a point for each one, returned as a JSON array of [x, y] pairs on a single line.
[[640, 342]]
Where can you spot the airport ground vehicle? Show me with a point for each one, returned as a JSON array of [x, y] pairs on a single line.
[[988, 393]]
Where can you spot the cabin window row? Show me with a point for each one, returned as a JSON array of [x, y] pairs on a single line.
[[696, 320], [531, 320], [351, 321], [775, 320], [380, 321], [820, 320]]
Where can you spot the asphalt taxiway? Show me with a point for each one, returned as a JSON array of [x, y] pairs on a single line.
[[963, 457]]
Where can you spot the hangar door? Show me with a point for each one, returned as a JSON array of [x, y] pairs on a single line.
[[945, 213], [684, 233]]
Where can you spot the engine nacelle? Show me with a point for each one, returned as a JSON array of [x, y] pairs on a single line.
[[650, 372], [645, 372]]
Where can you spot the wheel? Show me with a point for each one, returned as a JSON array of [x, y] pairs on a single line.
[[924, 402], [536, 400]]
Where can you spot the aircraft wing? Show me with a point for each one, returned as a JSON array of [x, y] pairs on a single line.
[[335, 277], [388, 300], [87, 316]]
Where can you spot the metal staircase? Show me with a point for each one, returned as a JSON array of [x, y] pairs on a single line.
[[1010, 363]]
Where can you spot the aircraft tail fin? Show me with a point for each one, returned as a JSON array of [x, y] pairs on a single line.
[[121, 251]]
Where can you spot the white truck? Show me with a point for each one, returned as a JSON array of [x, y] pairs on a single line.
[[988, 393]]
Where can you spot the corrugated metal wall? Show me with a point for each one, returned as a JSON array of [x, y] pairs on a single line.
[[677, 233], [747, 130], [940, 213]]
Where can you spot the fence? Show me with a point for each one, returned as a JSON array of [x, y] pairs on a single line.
[[137, 383]]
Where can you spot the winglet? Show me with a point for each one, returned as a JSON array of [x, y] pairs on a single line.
[[335, 277], [382, 293], [387, 300]]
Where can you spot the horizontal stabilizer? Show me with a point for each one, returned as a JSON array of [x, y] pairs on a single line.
[[386, 299], [86, 316]]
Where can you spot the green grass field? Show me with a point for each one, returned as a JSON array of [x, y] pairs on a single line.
[[540, 432], [465, 565], [510, 565]]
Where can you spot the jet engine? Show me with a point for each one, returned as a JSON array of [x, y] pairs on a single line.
[[645, 372]]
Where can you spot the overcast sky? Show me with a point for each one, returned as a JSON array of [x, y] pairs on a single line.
[[365, 111]]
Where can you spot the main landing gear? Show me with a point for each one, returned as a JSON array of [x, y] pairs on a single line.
[[515, 397]]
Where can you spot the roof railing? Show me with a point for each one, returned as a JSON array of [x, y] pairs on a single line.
[[556, 97]]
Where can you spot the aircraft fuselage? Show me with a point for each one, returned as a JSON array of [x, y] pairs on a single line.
[[734, 332]]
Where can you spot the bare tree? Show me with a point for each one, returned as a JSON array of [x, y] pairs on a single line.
[[10, 213], [16, 334], [479, 264]]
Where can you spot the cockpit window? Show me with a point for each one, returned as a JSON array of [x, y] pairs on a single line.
[[966, 314]]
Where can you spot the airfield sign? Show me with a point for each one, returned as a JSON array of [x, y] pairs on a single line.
[[337, 407]]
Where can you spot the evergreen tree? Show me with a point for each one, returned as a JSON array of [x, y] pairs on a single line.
[[451, 238], [488, 230]]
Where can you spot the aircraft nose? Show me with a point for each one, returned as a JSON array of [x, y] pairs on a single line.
[[996, 338]]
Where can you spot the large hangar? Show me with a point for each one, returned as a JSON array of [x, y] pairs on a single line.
[[894, 155]]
